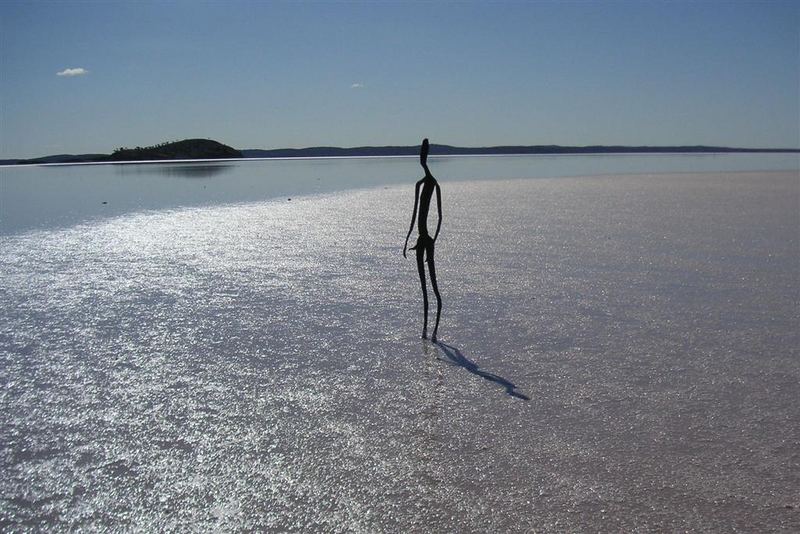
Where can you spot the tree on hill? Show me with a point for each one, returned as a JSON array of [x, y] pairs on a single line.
[[186, 149]]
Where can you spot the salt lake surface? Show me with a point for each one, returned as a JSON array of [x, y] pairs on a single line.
[[620, 352], [41, 197]]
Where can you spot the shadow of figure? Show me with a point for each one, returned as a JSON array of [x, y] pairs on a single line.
[[425, 243], [455, 357]]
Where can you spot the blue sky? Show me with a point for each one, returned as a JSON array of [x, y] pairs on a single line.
[[270, 74]]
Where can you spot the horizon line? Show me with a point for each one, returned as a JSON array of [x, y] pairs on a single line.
[[617, 149], [395, 156]]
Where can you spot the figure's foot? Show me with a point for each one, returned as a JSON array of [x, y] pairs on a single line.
[[433, 338], [424, 334]]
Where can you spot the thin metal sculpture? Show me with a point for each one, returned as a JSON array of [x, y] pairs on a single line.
[[425, 243]]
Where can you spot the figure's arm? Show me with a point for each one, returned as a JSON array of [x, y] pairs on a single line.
[[438, 209], [413, 215]]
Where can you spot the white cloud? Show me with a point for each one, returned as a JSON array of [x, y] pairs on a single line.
[[80, 71], [357, 85]]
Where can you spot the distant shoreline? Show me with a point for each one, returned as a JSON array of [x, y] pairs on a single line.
[[437, 151], [507, 150]]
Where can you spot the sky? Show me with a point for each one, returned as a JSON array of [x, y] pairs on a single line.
[[89, 77]]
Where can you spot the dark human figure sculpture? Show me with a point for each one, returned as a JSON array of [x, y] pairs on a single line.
[[425, 243]]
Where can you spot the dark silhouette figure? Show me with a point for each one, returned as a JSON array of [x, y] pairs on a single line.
[[425, 243], [455, 357]]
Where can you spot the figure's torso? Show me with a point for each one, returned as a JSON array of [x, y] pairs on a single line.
[[428, 185]]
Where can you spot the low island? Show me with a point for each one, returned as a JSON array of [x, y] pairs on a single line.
[[208, 149], [187, 149]]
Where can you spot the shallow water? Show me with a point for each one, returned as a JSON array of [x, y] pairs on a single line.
[[46, 197], [257, 365]]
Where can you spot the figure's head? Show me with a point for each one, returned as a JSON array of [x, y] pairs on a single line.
[[423, 153]]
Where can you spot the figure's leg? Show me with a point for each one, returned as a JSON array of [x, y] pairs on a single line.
[[432, 270], [421, 269]]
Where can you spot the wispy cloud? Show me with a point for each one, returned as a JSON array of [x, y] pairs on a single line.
[[357, 85], [80, 71]]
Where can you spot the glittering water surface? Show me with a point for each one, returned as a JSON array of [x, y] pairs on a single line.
[[48, 197], [257, 366]]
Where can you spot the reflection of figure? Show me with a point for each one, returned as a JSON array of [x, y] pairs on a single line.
[[425, 243]]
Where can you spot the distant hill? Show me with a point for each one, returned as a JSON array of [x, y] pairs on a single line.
[[447, 150], [57, 158], [208, 149], [186, 149]]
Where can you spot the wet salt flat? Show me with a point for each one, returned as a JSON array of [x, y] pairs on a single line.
[[57, 196], [621, 354]]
